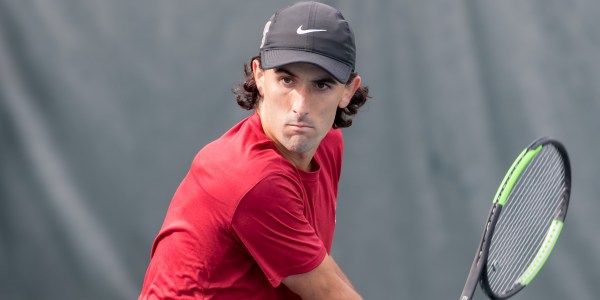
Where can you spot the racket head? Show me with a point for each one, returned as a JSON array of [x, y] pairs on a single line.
[[534, 198]]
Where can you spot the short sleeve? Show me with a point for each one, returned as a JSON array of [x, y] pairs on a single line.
[[270, 223]]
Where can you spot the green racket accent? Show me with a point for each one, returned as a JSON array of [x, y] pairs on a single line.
[[513, 174], [543, 253]]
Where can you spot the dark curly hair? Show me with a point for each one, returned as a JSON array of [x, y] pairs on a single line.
[[247, 96]]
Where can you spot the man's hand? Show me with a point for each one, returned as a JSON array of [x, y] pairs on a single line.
[[327, 281]]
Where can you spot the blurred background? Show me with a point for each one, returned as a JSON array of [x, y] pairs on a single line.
[[104, 103]]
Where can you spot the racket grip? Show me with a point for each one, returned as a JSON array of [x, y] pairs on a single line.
[[481, 254]]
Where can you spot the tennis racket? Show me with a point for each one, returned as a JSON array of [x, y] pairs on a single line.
[[526, 218]]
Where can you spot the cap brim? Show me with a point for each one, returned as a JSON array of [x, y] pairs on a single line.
[[279, 57]]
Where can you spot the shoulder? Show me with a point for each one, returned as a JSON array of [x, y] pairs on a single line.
[[242, 151], [335, 135], [333, 142], [235, 163], [331, 151]]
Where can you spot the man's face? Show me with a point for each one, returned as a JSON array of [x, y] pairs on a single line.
[[298, 105]]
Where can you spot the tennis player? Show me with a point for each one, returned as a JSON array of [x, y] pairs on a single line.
[[255, 216]]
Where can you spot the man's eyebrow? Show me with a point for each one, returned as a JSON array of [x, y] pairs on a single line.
[[326, 78], [284, 70]]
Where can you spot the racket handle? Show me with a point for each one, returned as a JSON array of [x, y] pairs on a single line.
[[471, 283], [481, 254]]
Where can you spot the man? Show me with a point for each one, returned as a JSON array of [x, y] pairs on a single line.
[[254, 218]]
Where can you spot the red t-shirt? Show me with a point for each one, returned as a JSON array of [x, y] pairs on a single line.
[[243, 219]]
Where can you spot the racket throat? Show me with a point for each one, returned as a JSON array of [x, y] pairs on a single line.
[[481, 255]]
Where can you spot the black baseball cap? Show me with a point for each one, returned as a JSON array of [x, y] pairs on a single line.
[[309, 32]]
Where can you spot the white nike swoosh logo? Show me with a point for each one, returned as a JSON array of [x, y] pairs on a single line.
[[302, 31]]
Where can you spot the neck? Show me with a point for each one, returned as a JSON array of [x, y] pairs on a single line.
[[302, 161]]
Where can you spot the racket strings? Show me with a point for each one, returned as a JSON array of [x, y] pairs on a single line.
[[527, 218], [526, 221], [522, 239], [526, 236], [532, 205]]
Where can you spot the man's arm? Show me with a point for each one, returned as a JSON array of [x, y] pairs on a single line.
[[327, 281]]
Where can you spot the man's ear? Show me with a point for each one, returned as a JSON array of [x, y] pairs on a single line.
[[259, 76], [349, 90]]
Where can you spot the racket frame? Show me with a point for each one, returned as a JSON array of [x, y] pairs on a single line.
[[476, 272]]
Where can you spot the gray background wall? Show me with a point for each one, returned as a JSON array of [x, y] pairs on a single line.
[[103, 105]]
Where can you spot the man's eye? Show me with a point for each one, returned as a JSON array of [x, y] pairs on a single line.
[[286, 80], [322, 85]]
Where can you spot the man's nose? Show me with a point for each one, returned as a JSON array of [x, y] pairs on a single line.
[[300, 101]]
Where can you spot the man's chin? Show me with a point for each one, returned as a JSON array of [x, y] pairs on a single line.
[[299, 146], [299, 149]]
